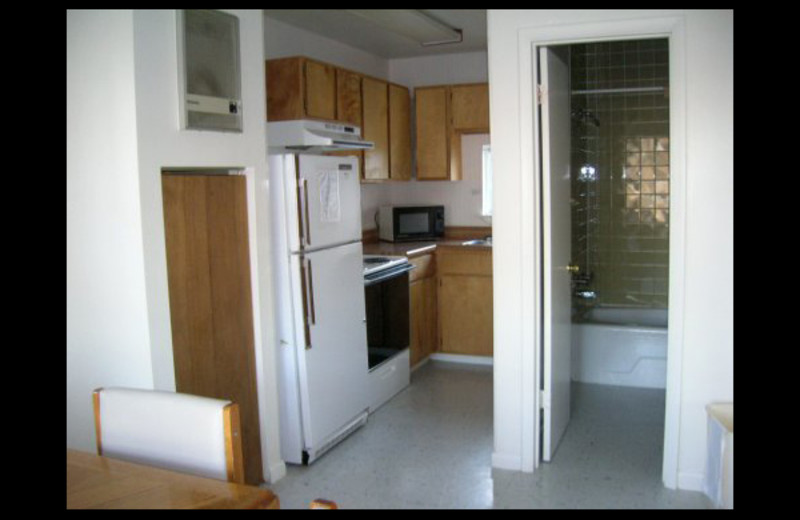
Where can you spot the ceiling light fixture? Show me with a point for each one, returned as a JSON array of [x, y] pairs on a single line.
[[412, 23]]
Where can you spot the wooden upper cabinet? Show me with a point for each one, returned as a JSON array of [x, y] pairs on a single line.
[[470, 107], [299, 88], [285, 86], [399, 133], [443, 114], [302, 88], [432, 130], [386, 123], [376, 128], [348, 97], [320, 92]]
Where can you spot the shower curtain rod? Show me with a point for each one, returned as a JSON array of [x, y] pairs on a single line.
[[633, 90]]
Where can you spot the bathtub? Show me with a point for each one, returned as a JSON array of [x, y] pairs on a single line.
[[621, 346]]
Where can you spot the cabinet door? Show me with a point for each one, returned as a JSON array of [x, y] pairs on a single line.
[[465, 314], [399, 133], [284, 89], [470, 107], [416, 322], [431, 321], [376, 128], [348, 97], [432, 132], [320, 99], [423, 321]]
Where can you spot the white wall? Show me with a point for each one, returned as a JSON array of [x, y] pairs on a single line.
[[107, 321], [706, 340], [145, 42], [708, 331]]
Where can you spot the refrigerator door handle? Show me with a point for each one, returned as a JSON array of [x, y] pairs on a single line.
[[311, 293], [306, 220], [304, 291]]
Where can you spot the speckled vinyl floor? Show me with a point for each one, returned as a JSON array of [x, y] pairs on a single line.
[[431, 447]]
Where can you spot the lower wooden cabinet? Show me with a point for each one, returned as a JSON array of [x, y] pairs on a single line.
[[464, 296], [423, 308], [451, 303]]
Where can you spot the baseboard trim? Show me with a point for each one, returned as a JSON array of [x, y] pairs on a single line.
[[506, 461], [463, 358], [691, 481], [276, 472]]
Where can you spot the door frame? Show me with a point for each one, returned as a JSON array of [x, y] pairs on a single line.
[[529, 40]]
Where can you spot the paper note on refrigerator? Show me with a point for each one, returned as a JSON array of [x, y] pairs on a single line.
[[330, 207]]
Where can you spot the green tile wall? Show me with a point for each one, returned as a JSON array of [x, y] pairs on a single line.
[[621, 220]]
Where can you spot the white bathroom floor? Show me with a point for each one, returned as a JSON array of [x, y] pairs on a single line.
[[430, 448]]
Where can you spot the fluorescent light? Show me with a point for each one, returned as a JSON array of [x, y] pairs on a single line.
[[412, 23]]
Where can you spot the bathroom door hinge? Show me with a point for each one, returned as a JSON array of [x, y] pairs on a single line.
[[540, 92], [544, 400]]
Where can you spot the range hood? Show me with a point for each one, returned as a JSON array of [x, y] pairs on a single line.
[[308, 135]]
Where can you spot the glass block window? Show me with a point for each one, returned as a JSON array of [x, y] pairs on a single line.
[[646, 177]]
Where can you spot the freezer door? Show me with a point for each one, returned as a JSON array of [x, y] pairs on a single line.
[[332, 341], [329, 200]]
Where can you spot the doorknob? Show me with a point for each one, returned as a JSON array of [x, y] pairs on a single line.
[[573, 268]]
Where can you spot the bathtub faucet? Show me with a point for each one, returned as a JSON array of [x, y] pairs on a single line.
[[585, 295]]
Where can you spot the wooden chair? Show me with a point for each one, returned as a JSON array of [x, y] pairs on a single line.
[[321, 503], [181, 432]]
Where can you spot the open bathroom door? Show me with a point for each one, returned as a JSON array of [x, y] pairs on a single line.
[[554, 105]]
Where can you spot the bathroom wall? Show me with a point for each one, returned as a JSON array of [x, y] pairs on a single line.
[[621, 141]]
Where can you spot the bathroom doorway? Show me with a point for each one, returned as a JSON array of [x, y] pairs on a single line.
[[606, 273]]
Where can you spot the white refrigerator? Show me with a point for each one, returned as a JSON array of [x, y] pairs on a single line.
[[321, 318]]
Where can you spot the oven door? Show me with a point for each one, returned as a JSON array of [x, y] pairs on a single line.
[[387, 305]]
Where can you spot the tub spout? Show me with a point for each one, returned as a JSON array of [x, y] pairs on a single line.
[[586, 295]]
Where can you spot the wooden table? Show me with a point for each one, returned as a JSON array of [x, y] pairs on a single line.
[[95, 482]]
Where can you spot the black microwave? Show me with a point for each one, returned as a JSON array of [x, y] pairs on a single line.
[[406, 223]]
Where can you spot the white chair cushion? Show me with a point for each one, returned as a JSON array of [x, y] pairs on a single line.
[[176, 431]]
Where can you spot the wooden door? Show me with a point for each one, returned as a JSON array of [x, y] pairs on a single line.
[[208, 266]]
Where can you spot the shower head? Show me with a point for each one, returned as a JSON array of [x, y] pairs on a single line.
[[585, 116]]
